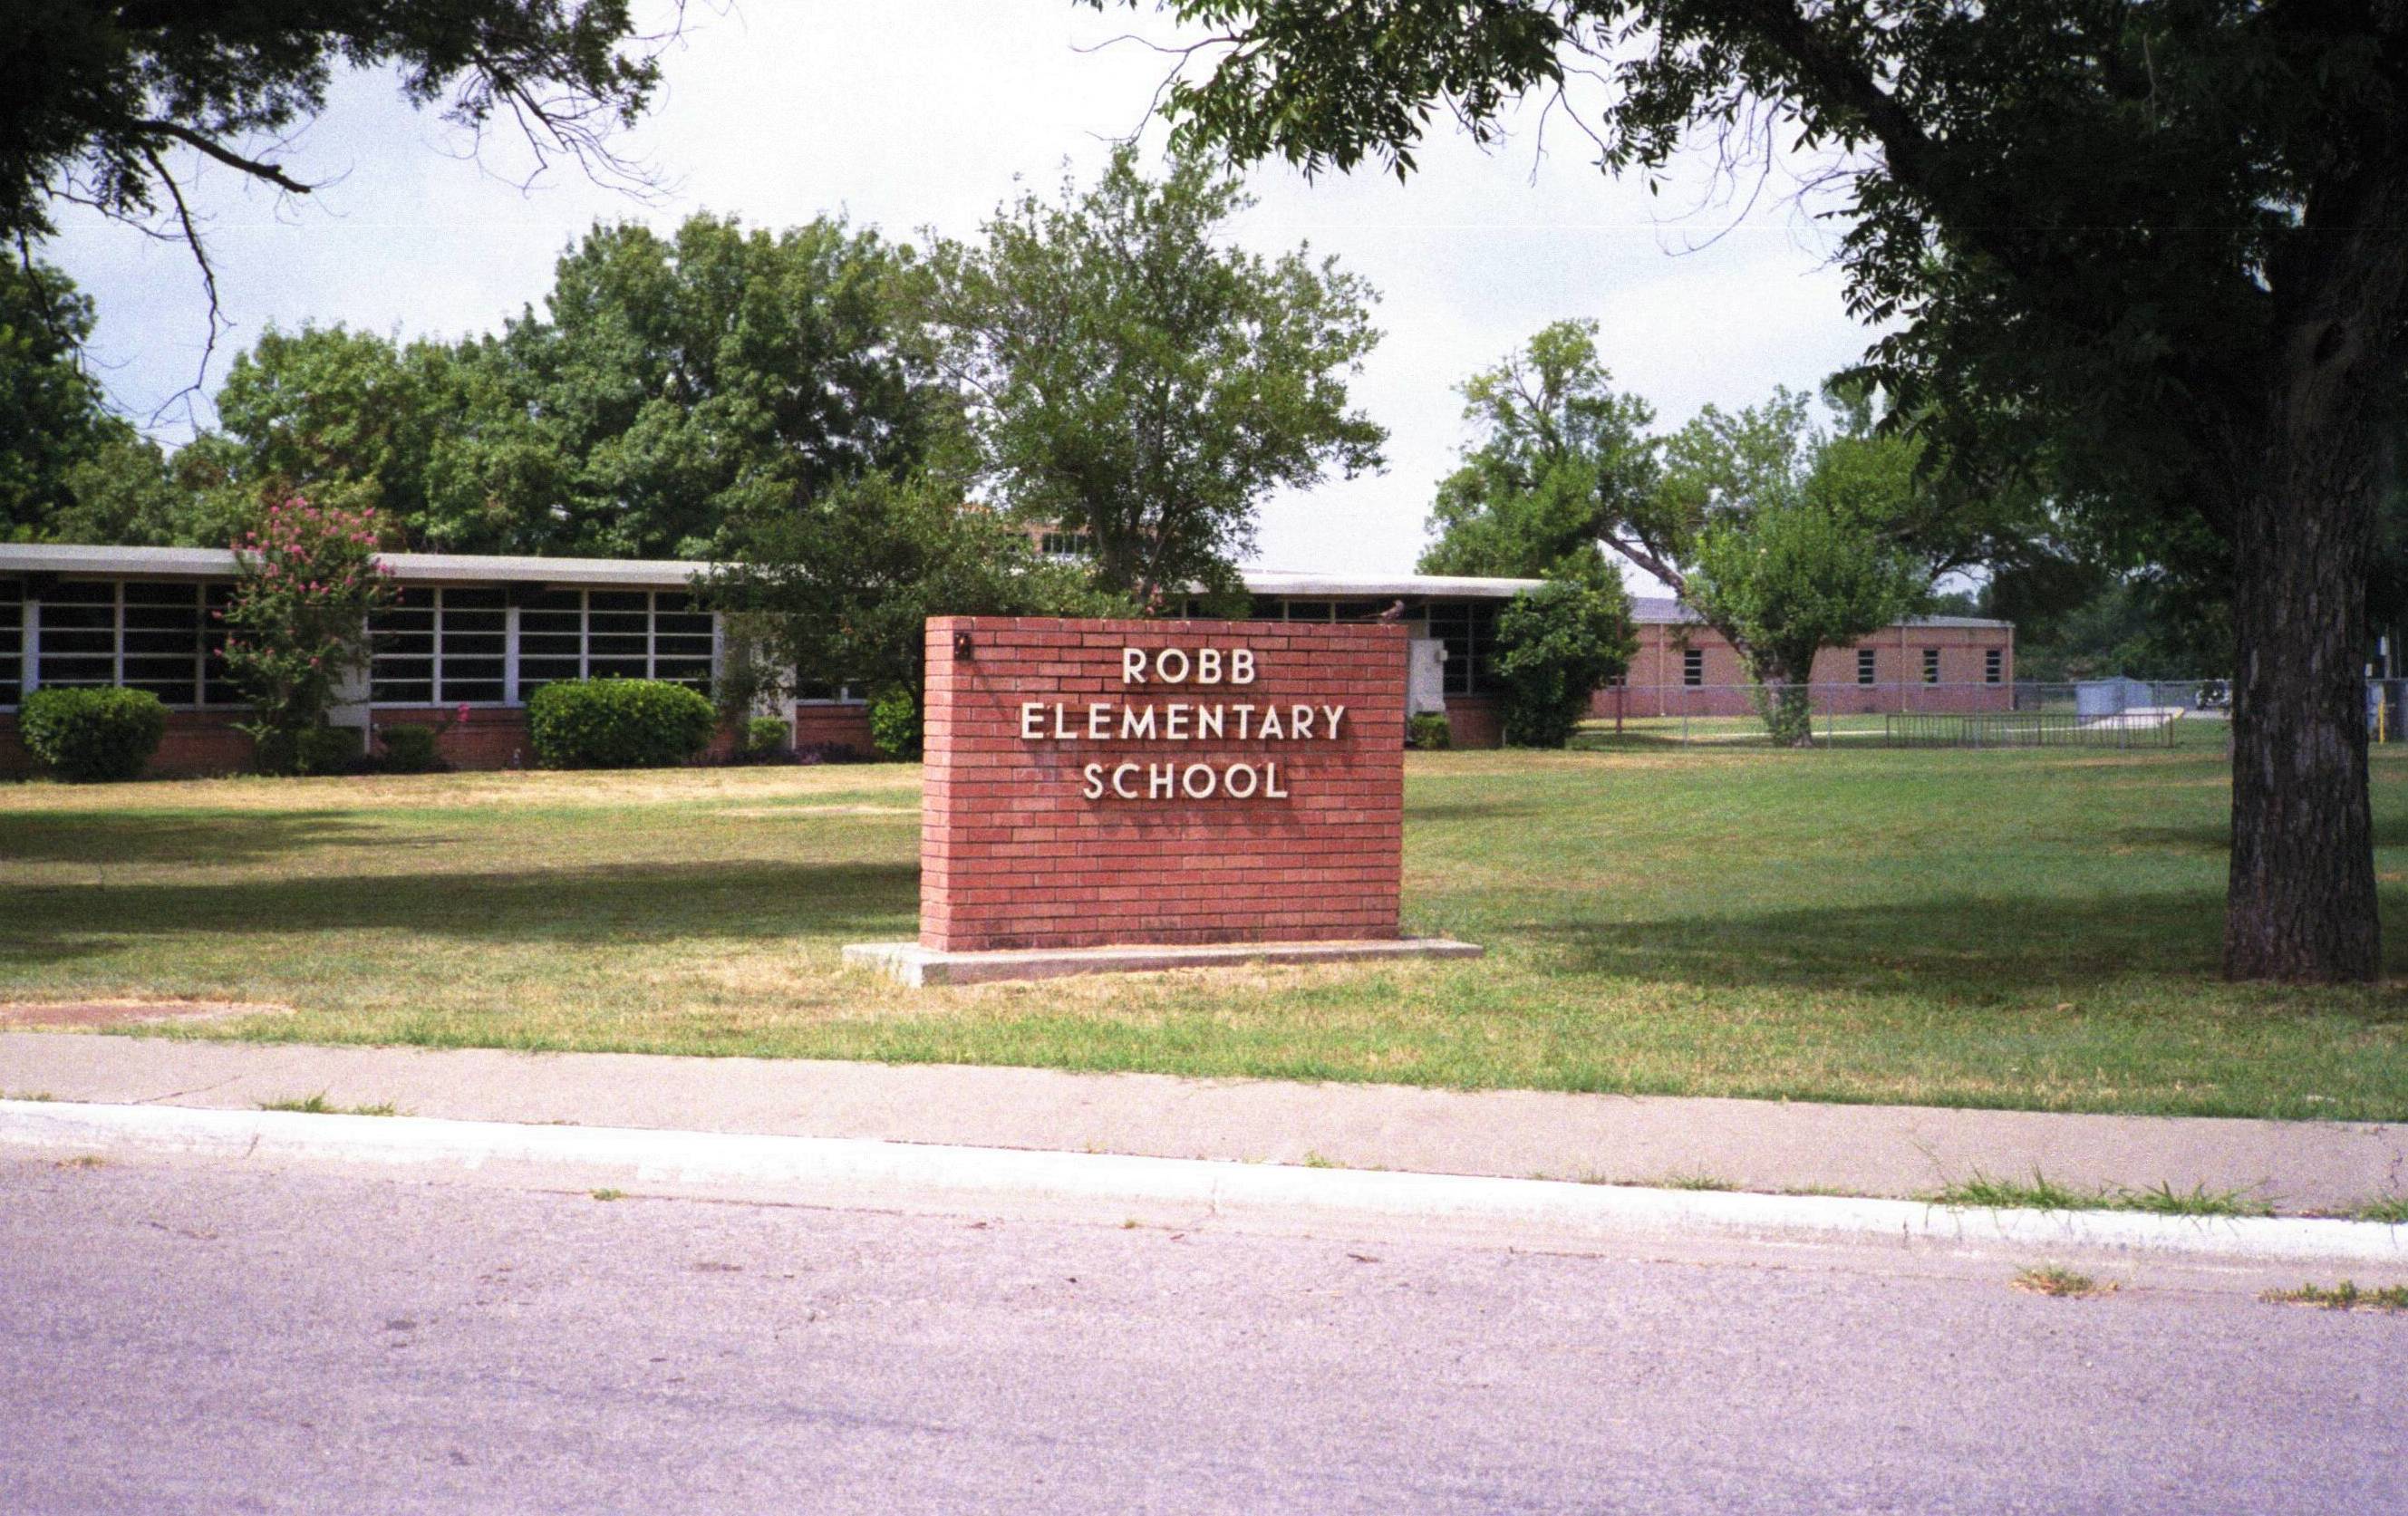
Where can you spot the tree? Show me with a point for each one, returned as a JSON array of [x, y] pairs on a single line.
[[97, 99], [346, 419], [1559, 452], [2166, 237], [838, 588], [674, 385], [297, 625], [50, 413], [1133, 376], [1555, 646], [1785, 539]]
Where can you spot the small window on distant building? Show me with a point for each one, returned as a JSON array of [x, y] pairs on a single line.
[[1864, 666], [12, 640], [1994, 666], [1931, 666], [1693, 668]]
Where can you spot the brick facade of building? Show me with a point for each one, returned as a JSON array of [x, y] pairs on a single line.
[[1037, 841]]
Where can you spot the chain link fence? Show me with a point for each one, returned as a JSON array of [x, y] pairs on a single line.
[[2102, 713]]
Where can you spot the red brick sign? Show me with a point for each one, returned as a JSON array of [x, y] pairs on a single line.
[[1098, 782]]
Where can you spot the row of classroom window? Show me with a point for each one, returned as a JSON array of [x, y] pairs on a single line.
[[429, 646], [1994, 666]]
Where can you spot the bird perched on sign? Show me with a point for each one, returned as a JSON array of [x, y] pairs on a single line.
[[1394, 613]]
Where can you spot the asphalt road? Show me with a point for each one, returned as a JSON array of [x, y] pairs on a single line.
[[215, 1338]]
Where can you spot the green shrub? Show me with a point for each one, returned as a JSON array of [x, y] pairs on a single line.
[[1429, 732], [895, 725], [765, 737], [408, 750], [618, 724], [1555, 645], [312, 749], [91, 736]]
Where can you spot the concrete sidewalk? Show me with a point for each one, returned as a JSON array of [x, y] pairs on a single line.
[[1891, 1150]]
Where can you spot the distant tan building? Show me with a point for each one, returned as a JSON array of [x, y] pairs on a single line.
[[1926, 662]]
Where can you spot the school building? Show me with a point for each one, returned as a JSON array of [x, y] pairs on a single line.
[[1684, 667], [483, 633]]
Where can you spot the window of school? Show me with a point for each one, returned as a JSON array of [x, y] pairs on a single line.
[[440, 647], [1693, 668], [1931, 666], [1865, 666], [162, 636], [12, 640], [1468, 629], [613, 634], [1994, 666]]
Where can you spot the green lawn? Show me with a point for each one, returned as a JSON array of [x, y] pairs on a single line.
[[2030, 929]]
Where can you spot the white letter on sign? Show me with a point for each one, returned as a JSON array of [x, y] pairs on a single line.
[[1120, 789], [1208, 665], [1095, 781], [1242, 665], [1162, 665], [1032, 722], [1132, 665]]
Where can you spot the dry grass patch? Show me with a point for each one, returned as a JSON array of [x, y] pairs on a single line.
[[100, 1015], [2062, 1283]]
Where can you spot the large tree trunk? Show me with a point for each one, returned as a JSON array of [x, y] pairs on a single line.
[[2301, 900]]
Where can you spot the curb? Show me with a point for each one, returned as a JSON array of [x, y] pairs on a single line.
[[854, 1173]]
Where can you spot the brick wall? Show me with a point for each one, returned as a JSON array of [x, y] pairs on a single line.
[[198, 744], [845, 726], [1015, 854], [1656, 684]]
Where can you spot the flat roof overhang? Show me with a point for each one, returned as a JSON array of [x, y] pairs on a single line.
[[653, 573]]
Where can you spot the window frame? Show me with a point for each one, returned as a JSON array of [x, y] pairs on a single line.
[[1693, 669], [1931, 666], [1868, 667], [1994, 666], [207, 598]]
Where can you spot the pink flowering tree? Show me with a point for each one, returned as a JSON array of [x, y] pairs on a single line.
[[298, 623]]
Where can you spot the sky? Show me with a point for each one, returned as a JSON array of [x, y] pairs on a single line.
[[911, 114]]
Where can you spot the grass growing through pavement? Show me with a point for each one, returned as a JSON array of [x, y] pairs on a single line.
[[2040, 1193], [2065, 1283], [2343, 1297], [2033, 929], [316, 1105]]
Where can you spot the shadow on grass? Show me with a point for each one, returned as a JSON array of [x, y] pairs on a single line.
[[2214, 839], [1974, 947], [617, 904], [86, 836]]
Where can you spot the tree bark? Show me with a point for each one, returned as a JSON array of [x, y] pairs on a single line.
[[2301, 903]]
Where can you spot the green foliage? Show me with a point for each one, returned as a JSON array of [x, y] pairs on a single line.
[[765, 737], [1133, 374], [840, 588], [346, 418], [1429, 732], [51, 417], [100, 98], [618, 724], [297, 625], [1792, 577], [2144, 259], [407, 747], [1788, 539], [309, 749], [895, 725], [93, 736], [1559, 457], [1555, 645], [676, 384]]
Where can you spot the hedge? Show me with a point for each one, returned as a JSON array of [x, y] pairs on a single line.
[[93, 736], [618, 724]]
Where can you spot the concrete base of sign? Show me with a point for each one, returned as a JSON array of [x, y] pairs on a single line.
[[917, 966]]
